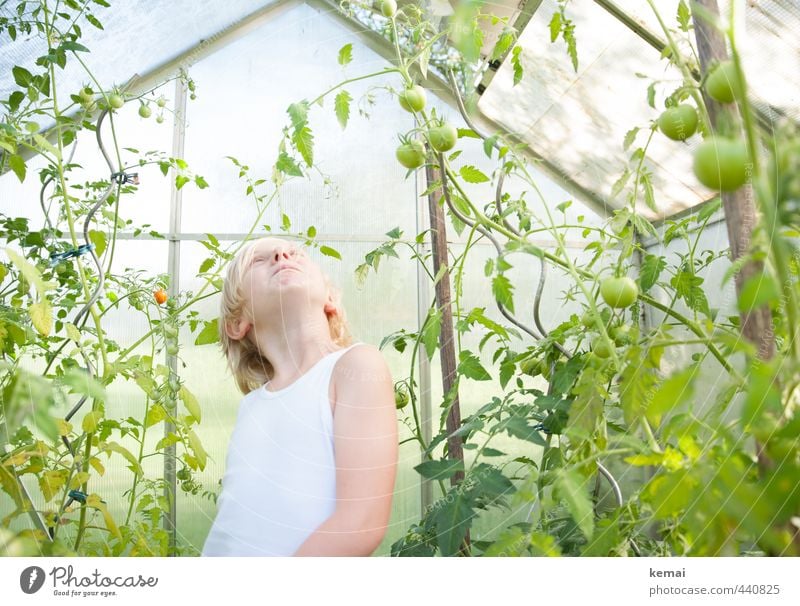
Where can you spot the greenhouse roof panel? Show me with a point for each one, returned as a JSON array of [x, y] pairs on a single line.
[[580, 120], [137, 37]]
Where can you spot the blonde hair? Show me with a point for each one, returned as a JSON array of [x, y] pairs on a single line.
[[248, 366]]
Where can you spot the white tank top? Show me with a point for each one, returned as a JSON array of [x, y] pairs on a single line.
[[280, 473]]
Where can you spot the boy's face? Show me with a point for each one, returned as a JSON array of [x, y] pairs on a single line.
[[282, 283]]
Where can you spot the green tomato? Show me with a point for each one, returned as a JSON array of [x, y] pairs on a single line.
[[722, 163], [723, 83], [159, 118], [411, 154], [600, 347], [619, 292], [172, 349], [443, 138], [678, 123], [533, 367], [412, 99], [145, 111], [116, 101], [401, 398], [162, 101], [621, 334], [170, 330], [388, 8], [183, 474], [87, 95]]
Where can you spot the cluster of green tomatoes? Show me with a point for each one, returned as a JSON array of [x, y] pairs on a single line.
[[720, 162], [441, 137], [116, 99], [617, 292]]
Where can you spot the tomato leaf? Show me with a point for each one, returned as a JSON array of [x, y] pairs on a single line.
[[42, 316], [286, 164], [21, 76], [517, 64], [303, 140], [502, 290], [470, 366], [17, 164], [652, 266], [209, 334], [684, 16], [342, 107], [571, 486], [330, 252], [629, 138], [346, 54], [470, 174], [676, 389], [439, 469], [298, 112], [555, 26], [453, 518], [191, 403], [430, 333]]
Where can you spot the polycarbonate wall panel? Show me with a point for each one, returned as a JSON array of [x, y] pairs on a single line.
[[243, 91], [137, 37], [147, 208], [721, 297]]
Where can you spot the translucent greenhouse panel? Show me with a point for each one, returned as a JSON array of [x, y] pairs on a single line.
[[137, 36], [766, 39], [124, 325], [243, 91], [721, 300], [579, 121], [385, 303], [147, 208], [542, 208]]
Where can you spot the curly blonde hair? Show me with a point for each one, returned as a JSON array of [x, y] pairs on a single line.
[[248, 366]]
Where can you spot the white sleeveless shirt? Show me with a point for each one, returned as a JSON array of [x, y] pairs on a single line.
[[279, 483]]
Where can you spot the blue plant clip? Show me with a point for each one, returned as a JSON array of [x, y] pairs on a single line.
[[77, 495], [56, 258]]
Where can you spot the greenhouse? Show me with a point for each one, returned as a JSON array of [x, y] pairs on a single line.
[[539, 278]]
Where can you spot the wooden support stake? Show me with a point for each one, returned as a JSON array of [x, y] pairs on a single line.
[[447, 355]]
